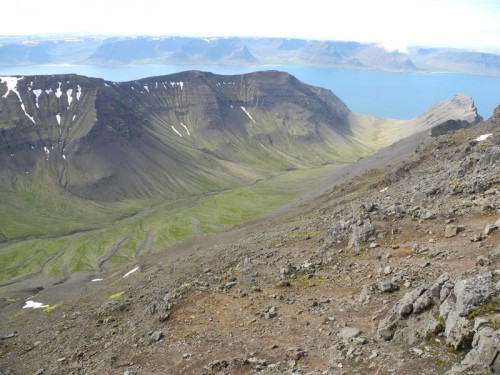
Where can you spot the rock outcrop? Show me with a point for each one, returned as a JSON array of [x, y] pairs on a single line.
[[458, 310], [448, 115]]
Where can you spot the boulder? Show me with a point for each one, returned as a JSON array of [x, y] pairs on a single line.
[[348, 333]]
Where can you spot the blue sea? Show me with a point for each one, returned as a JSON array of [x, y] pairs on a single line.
[[383, 94]]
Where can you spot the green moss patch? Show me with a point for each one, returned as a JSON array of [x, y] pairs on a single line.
[[116, 295]]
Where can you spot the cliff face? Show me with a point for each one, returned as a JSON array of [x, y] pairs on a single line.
[[168, 133]]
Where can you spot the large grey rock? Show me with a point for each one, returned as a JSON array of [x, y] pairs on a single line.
[[485, 349], [473, 292], [458, 330], [348, 333], [484, 356], [360, 234]]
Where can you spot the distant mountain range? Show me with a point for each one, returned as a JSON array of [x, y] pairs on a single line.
[[243, 51]]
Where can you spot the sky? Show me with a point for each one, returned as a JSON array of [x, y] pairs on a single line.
[[395, 24]]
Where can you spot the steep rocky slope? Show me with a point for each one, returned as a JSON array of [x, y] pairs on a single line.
[[392, 270]]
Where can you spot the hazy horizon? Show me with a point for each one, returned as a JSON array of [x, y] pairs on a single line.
[[395, 24]]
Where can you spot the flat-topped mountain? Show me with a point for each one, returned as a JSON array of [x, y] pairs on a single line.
[[175, 133]]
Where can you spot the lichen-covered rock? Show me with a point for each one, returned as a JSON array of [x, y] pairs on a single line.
[[484, 356], [473, 292]]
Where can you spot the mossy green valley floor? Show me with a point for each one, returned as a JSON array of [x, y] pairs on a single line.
[[108, 239]]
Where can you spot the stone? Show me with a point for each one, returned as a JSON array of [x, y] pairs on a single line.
[[473, 292], [163, 317], [484, 352], [427, 215], [218, 365], [9, 335], [295, 353], [156, 336], [348, 333], [369, 206], [387, 331], [230, 284], [387, 270], [458, 330], [386, 286], [151, 309], [269, 313], [406, 309], [450, 231], [373, 245], [422, 303], [489, 229]]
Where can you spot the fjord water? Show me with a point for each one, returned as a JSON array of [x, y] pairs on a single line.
[[383, 94]]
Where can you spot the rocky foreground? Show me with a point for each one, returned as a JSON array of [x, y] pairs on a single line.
[[395, 271]]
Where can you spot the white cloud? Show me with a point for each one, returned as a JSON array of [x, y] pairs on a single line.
[[389, 22]]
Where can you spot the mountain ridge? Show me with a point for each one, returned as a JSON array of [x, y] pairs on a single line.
[[243, 51]]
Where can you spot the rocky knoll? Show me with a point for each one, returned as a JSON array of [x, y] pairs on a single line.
[[459, 108], [391, 270]]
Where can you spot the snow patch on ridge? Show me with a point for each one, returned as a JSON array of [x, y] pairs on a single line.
[[37, 93], [180, 84], [131, 271], [483, 137], [185, 127], [58, 91], [175, 130], [12, 86], [248, 114], [34, 305], [78, 92], [69, 93]]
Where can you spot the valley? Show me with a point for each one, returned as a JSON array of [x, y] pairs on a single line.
[[98, 174], [364, 276], [189, 222]]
